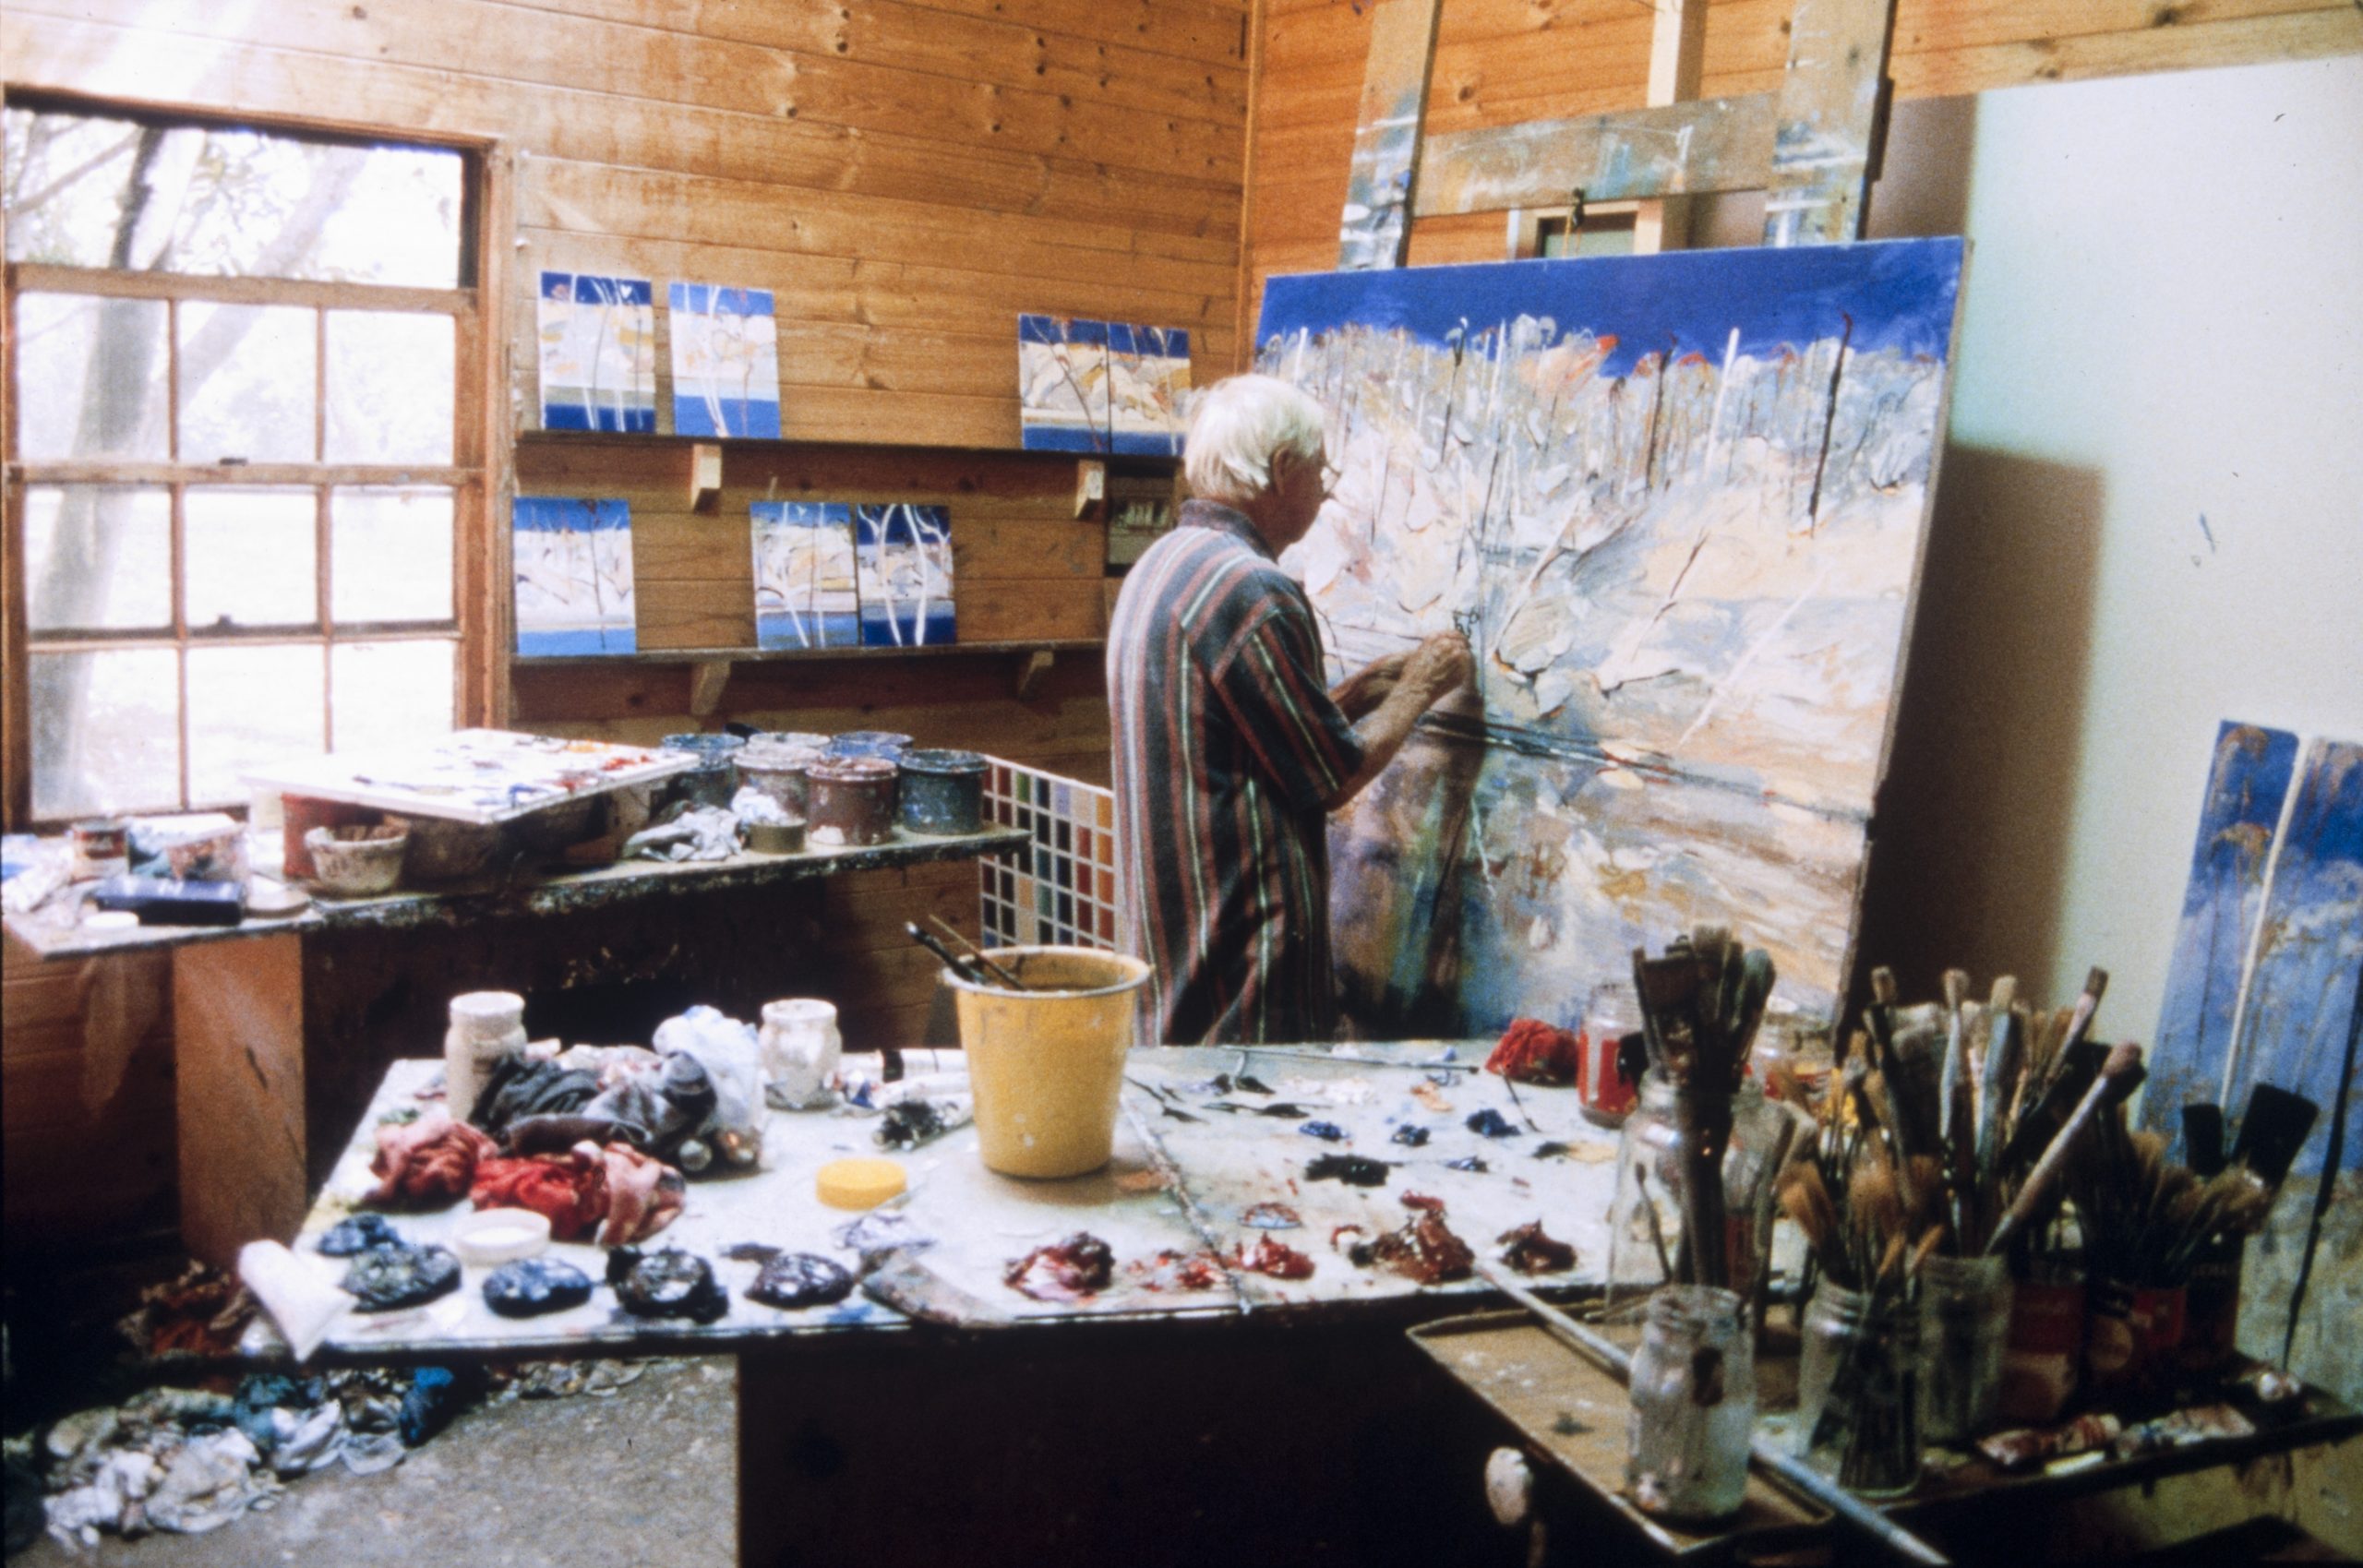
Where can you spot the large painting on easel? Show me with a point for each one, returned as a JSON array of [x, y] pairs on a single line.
[[1677, 503]]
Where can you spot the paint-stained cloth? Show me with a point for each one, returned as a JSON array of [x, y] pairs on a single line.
[[1227, 749]]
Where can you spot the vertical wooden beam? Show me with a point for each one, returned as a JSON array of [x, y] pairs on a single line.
[[238, 1077], [1827, 116], [1677, 58], [487, 606], [1376, 221]]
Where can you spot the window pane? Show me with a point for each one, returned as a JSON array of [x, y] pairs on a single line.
[[250, 558], [390, 387], [249, 707], [247, 375], [391, 555], [93, 373], [97, 558], [105, 731], [391, 694], [228, 202]]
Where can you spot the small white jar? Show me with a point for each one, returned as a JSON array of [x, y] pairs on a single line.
[[801, 1049], [485, 1025]]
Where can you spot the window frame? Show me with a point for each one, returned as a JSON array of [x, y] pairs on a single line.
[[479, 475]]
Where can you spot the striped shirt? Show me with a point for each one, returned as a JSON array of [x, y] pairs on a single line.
[[1227, 750]]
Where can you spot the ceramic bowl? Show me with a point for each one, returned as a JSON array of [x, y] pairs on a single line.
[[350, 865]]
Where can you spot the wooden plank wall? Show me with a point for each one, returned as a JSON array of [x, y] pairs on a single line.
[[1503, 61], [906, 176]]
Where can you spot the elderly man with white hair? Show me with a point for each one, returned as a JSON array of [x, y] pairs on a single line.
[[1229, 752]]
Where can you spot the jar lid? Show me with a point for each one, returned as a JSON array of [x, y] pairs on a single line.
[[852, 769], [942, 761]]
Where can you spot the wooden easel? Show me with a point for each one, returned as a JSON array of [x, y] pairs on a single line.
[[1812, 147]]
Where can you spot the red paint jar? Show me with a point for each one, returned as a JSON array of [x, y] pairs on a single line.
[[851, 802]]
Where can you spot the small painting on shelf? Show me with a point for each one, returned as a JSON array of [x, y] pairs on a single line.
[[807, 592], [906, 563], [726, 362], [598, 352], [1102, 385], [572, 564]]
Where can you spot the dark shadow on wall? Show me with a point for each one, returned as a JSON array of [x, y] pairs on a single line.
[[1969, 831]]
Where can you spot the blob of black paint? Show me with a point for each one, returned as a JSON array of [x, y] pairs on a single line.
[[1355, 1171], [1550, 1149], [1281, 1107], [387, 1277], [1253, 1085], [909, 1124], [531, 1286], [1411, 1135], [1327, 1132], [1467, 1162], [358, 1234], [800, 1279], [667, 1284], [1490, 1123]]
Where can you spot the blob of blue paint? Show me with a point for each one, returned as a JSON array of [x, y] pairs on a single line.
[[1327, 1132], [1411, 1135], [1490, 1123], [1467, 1162]]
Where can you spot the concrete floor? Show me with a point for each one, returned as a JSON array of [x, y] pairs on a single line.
[[648, 1475]]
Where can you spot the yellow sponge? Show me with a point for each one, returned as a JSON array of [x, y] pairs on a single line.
[[859, 1184]]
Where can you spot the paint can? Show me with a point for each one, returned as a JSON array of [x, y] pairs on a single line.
[[869, 743], [715, 778], [943, 792], [777, 771], [102, 847], [1047, 1064], [852, 801]]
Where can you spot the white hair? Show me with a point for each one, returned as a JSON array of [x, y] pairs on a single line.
[[1239, 424]]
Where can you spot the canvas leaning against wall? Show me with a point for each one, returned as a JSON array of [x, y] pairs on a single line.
[[572, 564], [903, 553], [1676, 504], [807, 591], [726, 361], [598, 352], [1102, 385]]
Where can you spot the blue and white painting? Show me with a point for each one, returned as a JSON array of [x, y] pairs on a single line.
[[807, 584], [598, 352], [1102, 385], [905, 556], [572, 564], [726, 362], [1676, 505], [2267, 954]]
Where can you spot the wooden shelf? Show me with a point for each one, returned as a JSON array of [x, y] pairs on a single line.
[[772, 655], [1119, 462]]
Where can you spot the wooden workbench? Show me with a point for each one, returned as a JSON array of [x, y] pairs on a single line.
[[283, 1027]]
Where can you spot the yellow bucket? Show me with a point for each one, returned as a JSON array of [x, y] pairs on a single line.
[[1046, 1065]]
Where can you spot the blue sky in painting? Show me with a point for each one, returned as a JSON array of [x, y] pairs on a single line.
[[1900, 293], [553, 512], [699, 298]]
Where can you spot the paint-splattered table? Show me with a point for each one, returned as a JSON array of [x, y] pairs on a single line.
[[1184, 1413], [284, 1027], [1213, 1160]]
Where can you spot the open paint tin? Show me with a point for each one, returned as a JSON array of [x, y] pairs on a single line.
[[715, 778], [943, 792], [851, 801], [778, 770], [869, 743]]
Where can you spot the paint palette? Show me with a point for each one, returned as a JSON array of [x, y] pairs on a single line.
[[480, 776]]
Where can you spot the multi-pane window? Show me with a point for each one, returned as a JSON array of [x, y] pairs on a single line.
[[239, 452]]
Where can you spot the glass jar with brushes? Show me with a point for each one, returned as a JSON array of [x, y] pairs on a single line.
[[1693, 1393], [1964, 1328], [1645, 1244], [1858, 1389]]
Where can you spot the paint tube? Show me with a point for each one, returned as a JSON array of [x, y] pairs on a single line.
[[2015, 1450], [2181, 1428]]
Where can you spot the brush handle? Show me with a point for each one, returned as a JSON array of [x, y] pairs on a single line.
[[2118, 1078], [957, 963]]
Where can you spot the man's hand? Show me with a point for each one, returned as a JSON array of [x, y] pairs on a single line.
[[1364, 691], [1438, 666]]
